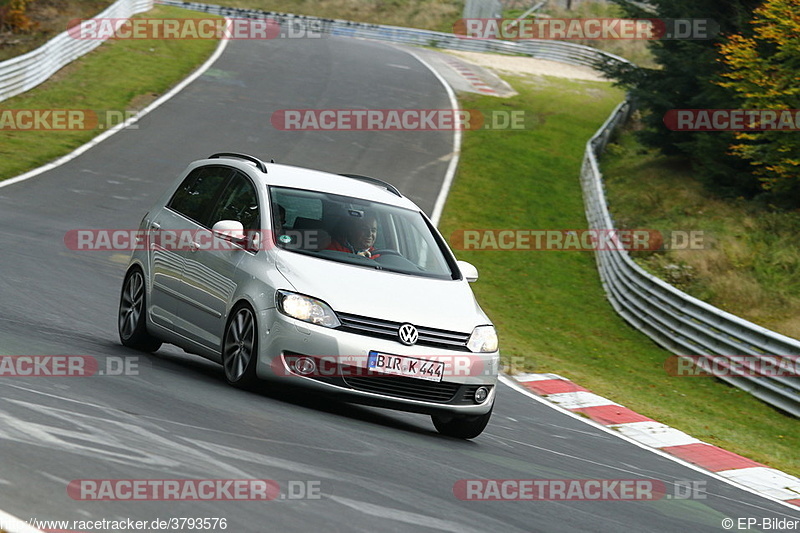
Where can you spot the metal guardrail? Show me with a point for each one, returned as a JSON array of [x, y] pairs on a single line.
[[673, 319], [678, 322], [25, 72]]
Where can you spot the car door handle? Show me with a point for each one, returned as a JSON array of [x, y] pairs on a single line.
[[194, 247], [155, 226]]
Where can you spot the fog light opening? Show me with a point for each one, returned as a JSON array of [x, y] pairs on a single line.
[[481, 393], [305, 366]]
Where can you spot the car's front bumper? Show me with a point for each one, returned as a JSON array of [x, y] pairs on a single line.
[[341, 368]]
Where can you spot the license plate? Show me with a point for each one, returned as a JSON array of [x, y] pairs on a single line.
[[401, 365]]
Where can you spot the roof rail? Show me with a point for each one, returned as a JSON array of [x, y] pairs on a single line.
[[259, 163], [375, 181]]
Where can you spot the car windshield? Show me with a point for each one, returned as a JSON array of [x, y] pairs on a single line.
[[357, 231]]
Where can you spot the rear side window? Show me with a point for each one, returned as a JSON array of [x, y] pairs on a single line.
[[239, 202], [299, 208], [197, 194]]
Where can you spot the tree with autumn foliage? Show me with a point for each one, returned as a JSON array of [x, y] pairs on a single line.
[[684, 78], [764, 72], [14, 17]]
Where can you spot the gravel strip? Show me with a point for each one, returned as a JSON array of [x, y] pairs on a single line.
[[528, 65]]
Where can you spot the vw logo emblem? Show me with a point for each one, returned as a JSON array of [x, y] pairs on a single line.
[[408, 334]]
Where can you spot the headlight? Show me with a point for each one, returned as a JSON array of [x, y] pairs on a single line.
[[306, 309], [483, 339]]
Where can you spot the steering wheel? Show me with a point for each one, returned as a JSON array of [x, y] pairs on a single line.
[[386, 252]]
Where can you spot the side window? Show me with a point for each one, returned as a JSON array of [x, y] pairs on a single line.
[[238, 201], [196, 195], [298, 221], [299, 207]]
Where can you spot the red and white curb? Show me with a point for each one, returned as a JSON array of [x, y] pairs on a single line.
[[472, 78], [756, 476]]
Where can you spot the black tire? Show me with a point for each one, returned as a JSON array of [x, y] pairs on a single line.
[[461, 427], [240, 348], [132, 320]]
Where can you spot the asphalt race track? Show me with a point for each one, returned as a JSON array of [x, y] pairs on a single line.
[[374, 470]]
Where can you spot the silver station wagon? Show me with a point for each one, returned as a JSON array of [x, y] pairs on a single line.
[[334, 282]]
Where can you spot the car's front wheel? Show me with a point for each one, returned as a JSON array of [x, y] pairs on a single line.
[[460, 426], [240, 348], [131, 322]]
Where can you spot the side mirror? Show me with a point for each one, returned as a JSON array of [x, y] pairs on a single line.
[[468, 271], [230, 230]]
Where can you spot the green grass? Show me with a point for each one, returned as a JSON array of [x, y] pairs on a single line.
[[122, 75], [750, 261], [549, 306]]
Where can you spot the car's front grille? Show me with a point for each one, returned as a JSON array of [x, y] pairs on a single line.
[[376, 327], [408, 388]]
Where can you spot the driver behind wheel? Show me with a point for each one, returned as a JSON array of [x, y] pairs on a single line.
[[357, 236]]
